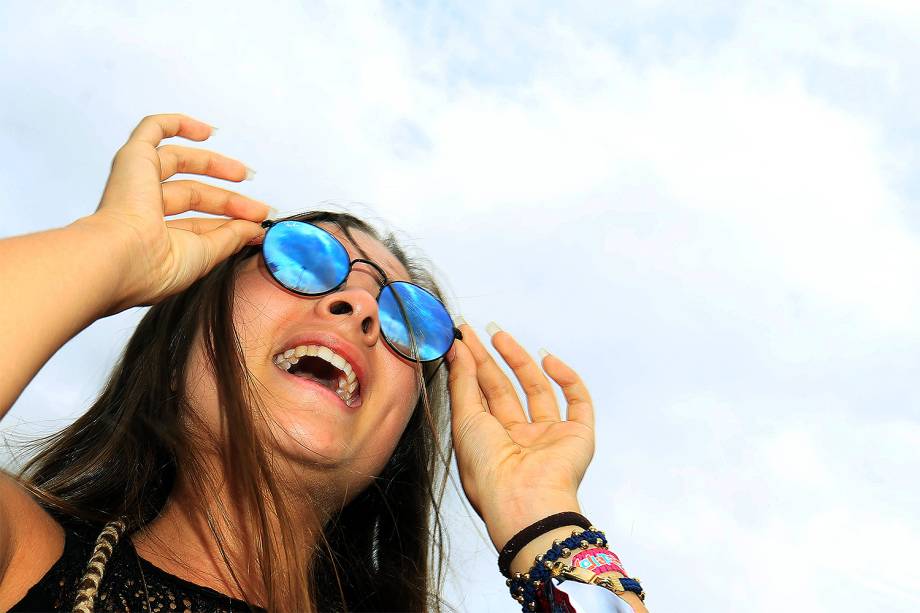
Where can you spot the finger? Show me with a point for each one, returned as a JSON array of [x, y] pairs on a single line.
[[198, 225], [154, 128], [183, 195], [226, 239], [503, 399], [176, 158], [462, 382], [469, 417], [134, 179], [202, 225], [450, 358], [580, 405], [541, 397]]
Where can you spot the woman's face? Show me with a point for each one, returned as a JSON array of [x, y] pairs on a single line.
[[303, 423]]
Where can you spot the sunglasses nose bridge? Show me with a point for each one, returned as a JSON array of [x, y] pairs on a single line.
[[383, 276], [378, 282]]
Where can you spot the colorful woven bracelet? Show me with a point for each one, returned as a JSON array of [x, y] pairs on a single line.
[[524, 586]]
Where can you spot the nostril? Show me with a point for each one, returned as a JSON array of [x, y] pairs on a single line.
[[366, 324], [340, 308]]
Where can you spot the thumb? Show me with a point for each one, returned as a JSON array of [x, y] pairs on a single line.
[[226, 239]]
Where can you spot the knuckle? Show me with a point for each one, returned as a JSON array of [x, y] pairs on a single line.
[[131, 149], [497, 390], [194, 194], [516, 361], [535, 388], [209, 164], [483, 358], [124, 151]]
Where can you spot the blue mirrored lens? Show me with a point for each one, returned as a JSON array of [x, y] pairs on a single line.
[[304, 257], [434, 331]]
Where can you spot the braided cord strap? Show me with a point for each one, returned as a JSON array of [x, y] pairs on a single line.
[[519, 540], [89, 583]]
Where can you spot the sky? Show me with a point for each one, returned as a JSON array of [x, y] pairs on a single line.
[[709, 210]]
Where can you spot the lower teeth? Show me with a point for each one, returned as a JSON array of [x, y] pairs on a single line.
[[347, 398]]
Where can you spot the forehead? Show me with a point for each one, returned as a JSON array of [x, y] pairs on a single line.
[[375, 250]]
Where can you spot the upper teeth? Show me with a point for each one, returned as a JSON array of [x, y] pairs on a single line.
[[347, 384]]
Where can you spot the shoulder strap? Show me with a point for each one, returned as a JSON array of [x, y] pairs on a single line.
[[92, 577]]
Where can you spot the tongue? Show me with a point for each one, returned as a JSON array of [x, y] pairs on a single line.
[[329, 383], [317, 369]]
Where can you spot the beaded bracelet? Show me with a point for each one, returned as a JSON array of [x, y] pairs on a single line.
[[524, 586]]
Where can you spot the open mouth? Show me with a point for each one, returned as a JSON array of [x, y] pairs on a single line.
[[320, 364]]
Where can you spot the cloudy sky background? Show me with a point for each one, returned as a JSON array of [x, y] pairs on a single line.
[[710, 211]]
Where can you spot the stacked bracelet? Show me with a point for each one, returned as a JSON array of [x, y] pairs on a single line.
[[524, 586], [519, 540]]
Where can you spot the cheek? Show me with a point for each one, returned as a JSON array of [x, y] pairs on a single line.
[[203, 425], [387, 427], [253, 317], [258, 307]]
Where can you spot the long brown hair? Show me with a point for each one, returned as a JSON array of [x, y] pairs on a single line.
[[122, 458]]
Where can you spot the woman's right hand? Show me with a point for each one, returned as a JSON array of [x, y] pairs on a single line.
[[163, 257]]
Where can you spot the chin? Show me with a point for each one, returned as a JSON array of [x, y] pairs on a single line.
[[309, 436]]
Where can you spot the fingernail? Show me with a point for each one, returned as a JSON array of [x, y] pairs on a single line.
[[250, 173], [460, 321], [492, 328], [214, 129], [272, 213], [543, 353]]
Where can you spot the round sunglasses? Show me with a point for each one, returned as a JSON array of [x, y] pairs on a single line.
[[310, 261]]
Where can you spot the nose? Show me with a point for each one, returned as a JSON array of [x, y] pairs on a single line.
[[354, 305]]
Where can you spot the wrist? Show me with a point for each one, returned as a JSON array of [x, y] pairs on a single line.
[[102, 237], [517, 515], [524, 560]]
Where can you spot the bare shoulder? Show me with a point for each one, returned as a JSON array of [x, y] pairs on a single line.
[[31, 541]]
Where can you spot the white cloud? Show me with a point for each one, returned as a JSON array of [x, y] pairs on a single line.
[[707, 212]]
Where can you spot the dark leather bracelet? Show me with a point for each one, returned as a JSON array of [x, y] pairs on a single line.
[[517, 542]]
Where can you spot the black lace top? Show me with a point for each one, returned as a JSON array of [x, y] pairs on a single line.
[[129, 584]]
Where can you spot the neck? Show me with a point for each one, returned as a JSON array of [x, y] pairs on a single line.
[[181, 542]]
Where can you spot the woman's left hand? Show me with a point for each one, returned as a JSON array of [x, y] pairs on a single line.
[[515, 471]]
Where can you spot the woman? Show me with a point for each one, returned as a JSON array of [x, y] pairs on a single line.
[[263, 442]]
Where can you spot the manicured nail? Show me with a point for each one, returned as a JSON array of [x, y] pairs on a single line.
[[272, 213], [460, 321], [492, 328], [214, 129], [543, 353], [250, 173]]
